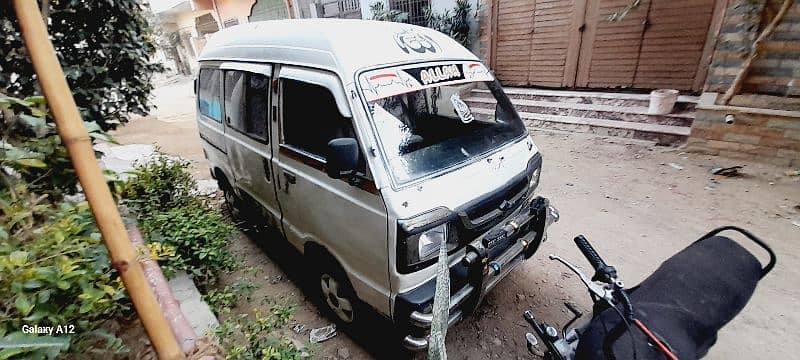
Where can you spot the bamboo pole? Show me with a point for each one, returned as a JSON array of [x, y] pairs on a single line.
[[79, 146], [755, 52]]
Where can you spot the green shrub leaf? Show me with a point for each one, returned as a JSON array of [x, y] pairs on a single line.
[[23, 305]]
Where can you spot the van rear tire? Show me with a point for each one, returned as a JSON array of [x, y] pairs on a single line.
[[232, 201]]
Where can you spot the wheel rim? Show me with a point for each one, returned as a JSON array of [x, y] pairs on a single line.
[[341, 305]]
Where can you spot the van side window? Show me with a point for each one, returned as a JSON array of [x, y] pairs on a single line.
[[234, 101], [209, 94], [311, 118], [246, 96], [257, 108]]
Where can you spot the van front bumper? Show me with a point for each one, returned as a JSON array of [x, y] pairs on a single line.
[[479, 271]]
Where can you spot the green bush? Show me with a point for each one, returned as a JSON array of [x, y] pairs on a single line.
[[163, 196], [160, 184], [54, 270], [199, 235]]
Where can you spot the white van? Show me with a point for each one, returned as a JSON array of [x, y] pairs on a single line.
[[353, 138]]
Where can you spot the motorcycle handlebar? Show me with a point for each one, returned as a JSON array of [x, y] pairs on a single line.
[[603, 271], [590, 253]]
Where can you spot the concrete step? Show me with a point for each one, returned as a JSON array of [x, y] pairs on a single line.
[[684, 103], [661, 134], [589, 110]]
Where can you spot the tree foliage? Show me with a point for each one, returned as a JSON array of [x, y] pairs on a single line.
[[31, 149], [104, 48], [454, 24], [380, 13]]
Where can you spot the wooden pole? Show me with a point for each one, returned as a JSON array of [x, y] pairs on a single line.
[[79, 146], [755, 53]]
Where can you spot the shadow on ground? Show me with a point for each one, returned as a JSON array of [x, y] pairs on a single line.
[[376, 334]]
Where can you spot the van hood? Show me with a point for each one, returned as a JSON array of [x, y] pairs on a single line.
[[460, 186]]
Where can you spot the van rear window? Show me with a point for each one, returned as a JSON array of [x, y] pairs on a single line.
[[209, 100]]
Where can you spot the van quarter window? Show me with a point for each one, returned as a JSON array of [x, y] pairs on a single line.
[[209, 94], [311, 118], [246, 96]]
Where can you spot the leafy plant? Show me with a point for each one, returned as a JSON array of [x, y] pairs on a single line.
[[255, 336], [171, 213], [105, 49], [31, 148], [160, 184], [380, 13], [54, 270], [199, 235], [454, 24], [222, 300]]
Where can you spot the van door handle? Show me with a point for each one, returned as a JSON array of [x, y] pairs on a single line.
[[290, 179]]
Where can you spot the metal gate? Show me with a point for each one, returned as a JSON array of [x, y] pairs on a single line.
[[572, 43]]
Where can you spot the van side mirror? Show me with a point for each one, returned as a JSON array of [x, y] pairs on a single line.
[[341, 158]]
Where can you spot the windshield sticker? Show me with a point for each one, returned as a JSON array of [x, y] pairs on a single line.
[[410, 40], [437, 74], [381, 83], [462, 109]]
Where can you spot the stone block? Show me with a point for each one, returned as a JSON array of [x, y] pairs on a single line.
[[784, 123], [742, 138], [788, 154], [724, 145], [781, 143], [792, 134], [200, 316]]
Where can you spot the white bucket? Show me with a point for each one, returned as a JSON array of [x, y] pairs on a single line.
[[662, 101]]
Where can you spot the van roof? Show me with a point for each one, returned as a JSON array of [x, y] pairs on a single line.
[[344, 46]]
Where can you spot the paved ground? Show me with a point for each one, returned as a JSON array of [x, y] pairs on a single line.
[[636, 208]]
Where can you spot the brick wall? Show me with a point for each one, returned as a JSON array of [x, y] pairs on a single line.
[[777, 71], [772, 138]]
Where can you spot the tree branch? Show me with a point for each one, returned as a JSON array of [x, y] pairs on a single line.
[[755, 52]]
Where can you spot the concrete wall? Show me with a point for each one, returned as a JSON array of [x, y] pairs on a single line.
[[777, 72], [238, 9]]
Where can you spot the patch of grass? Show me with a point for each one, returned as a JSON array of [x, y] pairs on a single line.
[[223, 300], [257, 335]]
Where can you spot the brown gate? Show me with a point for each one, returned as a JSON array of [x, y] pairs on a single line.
[[572, 43]]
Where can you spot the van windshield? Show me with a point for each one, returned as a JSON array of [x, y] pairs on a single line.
[[432, 129]]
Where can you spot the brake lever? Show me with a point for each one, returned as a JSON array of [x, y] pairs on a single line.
[[594, 288]]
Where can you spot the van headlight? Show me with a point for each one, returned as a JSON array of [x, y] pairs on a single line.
[[534, 171], [418, 248], [428, 243]]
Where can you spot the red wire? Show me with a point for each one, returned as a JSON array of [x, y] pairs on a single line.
[[667, 353]]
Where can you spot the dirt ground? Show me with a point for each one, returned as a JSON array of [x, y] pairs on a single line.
[[634, 206]]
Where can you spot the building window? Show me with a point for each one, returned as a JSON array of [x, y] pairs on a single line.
[[231, 22], [414, 8], [205, 24]]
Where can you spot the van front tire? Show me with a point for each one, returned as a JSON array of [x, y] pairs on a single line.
[[333, 291]]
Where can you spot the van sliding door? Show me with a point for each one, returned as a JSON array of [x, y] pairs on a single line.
[[247, 104]]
